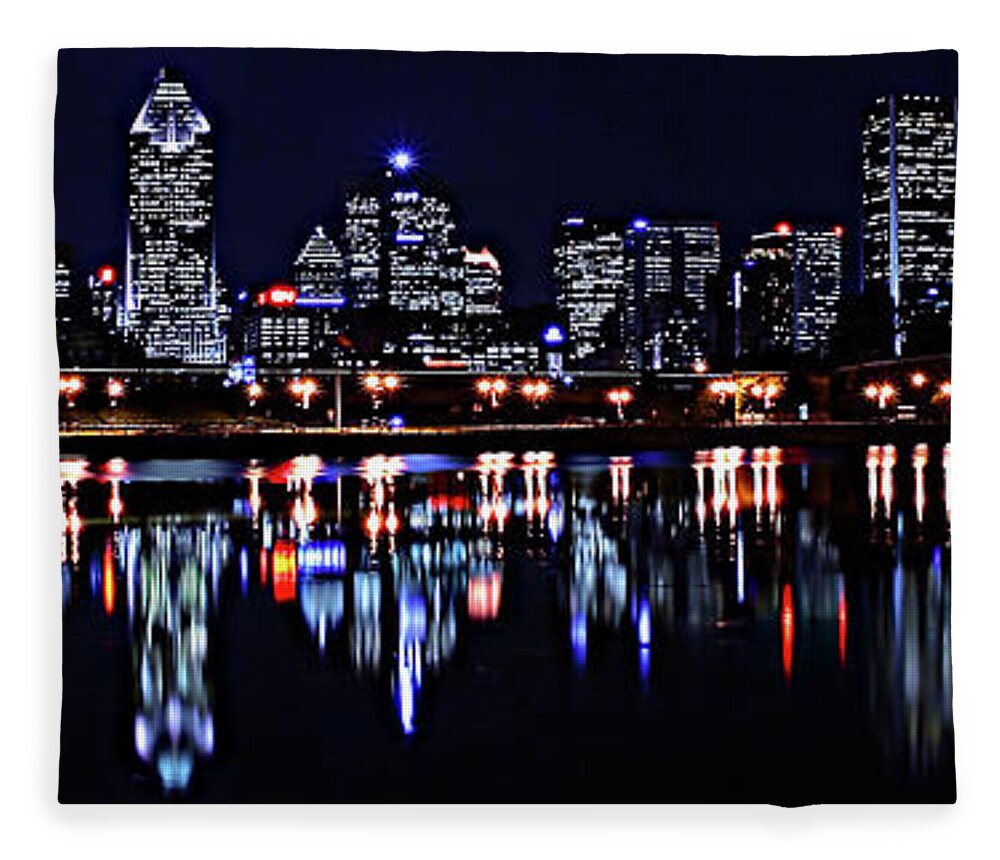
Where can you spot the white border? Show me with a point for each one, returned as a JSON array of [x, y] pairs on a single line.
[[29, 700]]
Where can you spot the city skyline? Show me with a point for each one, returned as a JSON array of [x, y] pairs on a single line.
[[617, 155]]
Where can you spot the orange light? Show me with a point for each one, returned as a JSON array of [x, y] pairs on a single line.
[[500, 385], [484, 386], [285, 570], [700, 365], [484, 597], [871, 391], [390, 382], [70, 385], [116, 389], [254, 391], [918, 380], [108, 577], [535, 390], [757, 390], [946, 388], [887, 391], [619, 396]]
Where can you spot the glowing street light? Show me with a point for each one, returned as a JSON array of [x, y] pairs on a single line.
[[379, 384], [882, 392], [620, 398], [70, 387], [492, 387], [115, 390], [535, 391], [254, 393], [700, 365], [304, 388], [918, 379]]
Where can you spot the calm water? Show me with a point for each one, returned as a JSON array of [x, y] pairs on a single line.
[[761, 624]]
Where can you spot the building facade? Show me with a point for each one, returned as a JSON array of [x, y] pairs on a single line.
[[909, 147], [171, 305], [589, 273]]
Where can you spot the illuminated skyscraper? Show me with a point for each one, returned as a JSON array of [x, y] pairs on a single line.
[[483, 285], [590, 283], [319, 268], [363, 248], [909, 145], [172, 306], [668, 265], [787, 289]]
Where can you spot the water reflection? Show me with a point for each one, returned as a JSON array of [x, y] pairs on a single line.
[[654, 566]]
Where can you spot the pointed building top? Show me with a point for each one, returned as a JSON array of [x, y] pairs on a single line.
[[169, 115]]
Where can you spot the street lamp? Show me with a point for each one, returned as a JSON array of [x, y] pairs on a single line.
[[918, 379], [116, 391], [535, 391], [70, 387], [882, 392], [725, 388], [379, 384], [620, 398], [494, 388], [254, 392], [304, 388]]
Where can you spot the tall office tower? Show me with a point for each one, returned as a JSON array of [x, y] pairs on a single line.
[[668, 265], [763, 297], [788, 289], [172, 306], [817, 275], [423, 258], [363, 248], [909, 145], [483, 287], [319, 268], [590, 282]]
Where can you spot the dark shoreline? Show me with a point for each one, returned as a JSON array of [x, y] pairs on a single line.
[[559, 439]]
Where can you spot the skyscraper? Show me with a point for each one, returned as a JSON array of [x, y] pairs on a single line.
[[319, 267], [363, 247], [787, 289], [172, 306], [909, 145], [668, 266], [590, 282], [483, 285]]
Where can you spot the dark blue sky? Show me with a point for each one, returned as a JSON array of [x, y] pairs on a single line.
[[520, 138]]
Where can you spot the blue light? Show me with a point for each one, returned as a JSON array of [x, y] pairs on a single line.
[[553, 335], [644, 624], [573, 222], [932, 291], [409, 238], [640, 224], [320, 302], [397, 422], [318, 558], [243, 296], [401, 160]]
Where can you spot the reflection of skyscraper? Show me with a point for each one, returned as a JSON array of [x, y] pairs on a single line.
[[590, 279], [909, 147], [171, 304]]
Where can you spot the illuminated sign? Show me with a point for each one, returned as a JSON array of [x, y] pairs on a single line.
[[279, 296], [553, 335]]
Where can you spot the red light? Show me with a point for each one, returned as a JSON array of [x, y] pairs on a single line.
[[838, 231], [484, 597], [783, 228], [107, 274], [787, 632], [284, 571], [279, 296]]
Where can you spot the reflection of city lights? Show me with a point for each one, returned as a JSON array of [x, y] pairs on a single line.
[[842, 623], [621, 471], [787, 632], [108, 577], [284, 570], [920, 457], [483, 597]]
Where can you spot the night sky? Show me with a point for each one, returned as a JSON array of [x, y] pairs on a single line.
[[520, 138]]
